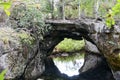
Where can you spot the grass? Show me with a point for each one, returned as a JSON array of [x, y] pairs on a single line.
[[70, 45]]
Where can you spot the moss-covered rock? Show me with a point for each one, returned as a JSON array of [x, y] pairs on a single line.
[[15, 55]]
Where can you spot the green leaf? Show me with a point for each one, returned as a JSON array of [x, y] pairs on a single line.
[[7, 12], [6, 5], [110, 16], [2, 75], [118, 0]]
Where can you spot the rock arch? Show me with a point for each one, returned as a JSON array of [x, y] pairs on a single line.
[[104, 56], [95, 62]]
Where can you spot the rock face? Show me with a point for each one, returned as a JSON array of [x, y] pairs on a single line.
[[95, 65], [95, 68], [107, 41], [109, 45], [20, 53], [18, 59], [89, 47], [9, 50]]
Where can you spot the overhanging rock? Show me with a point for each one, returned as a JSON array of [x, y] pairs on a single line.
[[95, 31]]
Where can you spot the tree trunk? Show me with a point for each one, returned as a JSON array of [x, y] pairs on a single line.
[[79, 13], [96, 8], [62, 9], [63, 13], [52, 7]]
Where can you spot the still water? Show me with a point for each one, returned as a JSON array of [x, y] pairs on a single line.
[[69, 64]]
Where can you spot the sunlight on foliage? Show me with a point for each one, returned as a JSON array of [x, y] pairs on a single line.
[[6, 6], [25, 37], [111, 14], [109, 19], [70, 45], [2, 75], [29, 18]]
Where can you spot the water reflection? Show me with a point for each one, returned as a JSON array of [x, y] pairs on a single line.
[[70, 64]]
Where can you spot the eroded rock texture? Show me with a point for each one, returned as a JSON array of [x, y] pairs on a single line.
[[17, 58], [20, 53], [95, 31], [107, 41], [95, 65]]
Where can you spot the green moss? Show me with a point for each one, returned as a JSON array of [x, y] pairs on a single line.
[[25, 37], [70, 45], [10, 35]]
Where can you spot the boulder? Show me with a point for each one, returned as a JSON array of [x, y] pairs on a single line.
[[91, 47], [17, 58]]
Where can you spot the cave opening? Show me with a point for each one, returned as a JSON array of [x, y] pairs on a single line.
[[68, 56]]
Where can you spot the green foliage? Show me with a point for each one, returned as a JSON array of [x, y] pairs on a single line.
[[87, 6], [69, 45], [71, 9], [111, 14], [116, 8], [10, 36], [6, 6], [2, 75], [71, 13], [46, 6], [110, 20], [29, 18], [25, 37]]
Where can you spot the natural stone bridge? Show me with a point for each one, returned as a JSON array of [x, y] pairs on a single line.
[[102, 58], [102, 44]]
